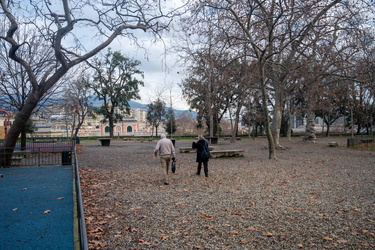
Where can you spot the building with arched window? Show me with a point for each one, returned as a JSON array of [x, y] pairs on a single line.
[[127, 127]]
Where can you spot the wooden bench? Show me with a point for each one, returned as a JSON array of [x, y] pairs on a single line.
[[189, 149], [226, 153], [359, 140], [367, 140]]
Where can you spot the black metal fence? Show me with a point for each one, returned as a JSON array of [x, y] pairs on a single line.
[[54, 152], [80, 229], [40, 152]]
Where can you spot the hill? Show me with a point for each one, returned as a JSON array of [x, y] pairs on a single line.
[[137, 105]]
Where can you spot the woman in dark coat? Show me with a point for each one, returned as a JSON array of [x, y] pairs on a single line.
[[203, 154]]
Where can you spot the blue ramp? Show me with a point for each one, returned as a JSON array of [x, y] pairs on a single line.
[[36, 208]]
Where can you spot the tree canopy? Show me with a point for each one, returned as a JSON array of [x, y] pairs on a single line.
[[115, 83]]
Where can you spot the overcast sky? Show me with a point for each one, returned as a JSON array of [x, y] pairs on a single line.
[[159, 68]]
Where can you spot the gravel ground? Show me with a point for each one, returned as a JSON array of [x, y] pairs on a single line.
[[312, 197]]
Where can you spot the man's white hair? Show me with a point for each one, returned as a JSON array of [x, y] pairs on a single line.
[[162, 136]]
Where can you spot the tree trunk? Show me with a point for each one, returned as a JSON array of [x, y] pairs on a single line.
[[23, 140], [235, 129], [232, 130], [289, 132], [15, 130], [111, 127], [276, 121], [328, 127], [271, 143], [238, 110], [310, 126]]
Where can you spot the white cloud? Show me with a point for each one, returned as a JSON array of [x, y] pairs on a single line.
[[158, 67]]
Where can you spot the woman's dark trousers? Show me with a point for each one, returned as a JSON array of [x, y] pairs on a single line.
[[205, 166]]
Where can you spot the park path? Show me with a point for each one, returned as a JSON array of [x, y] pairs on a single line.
[[313, 196]]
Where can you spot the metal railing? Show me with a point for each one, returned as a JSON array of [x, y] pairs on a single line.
[[81, 231], [40, 152], [55, 152]]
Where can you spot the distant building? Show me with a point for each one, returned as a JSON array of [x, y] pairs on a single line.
[[54, 123], [46, 130]]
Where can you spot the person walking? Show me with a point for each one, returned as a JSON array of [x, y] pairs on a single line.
[[166, 152], [203, 154]]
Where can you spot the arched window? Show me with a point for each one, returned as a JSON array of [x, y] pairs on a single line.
[[106, 129], [129, 129]]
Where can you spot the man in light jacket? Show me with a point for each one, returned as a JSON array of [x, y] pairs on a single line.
[[166, 152]]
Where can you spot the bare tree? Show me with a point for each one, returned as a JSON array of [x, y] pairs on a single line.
[[275, 34], [77, 102], [156, 113], [76, 31], [15, 84]]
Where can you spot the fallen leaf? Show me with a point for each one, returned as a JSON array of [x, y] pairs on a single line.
[[181, 203], [269, 234], [233, 232], [284, 237], [131, 229], [342, 241], [97, 244], [252, 229], [207, 217], [143, 242]]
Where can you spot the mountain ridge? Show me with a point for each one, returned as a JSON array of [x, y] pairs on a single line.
[[134, 104]]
